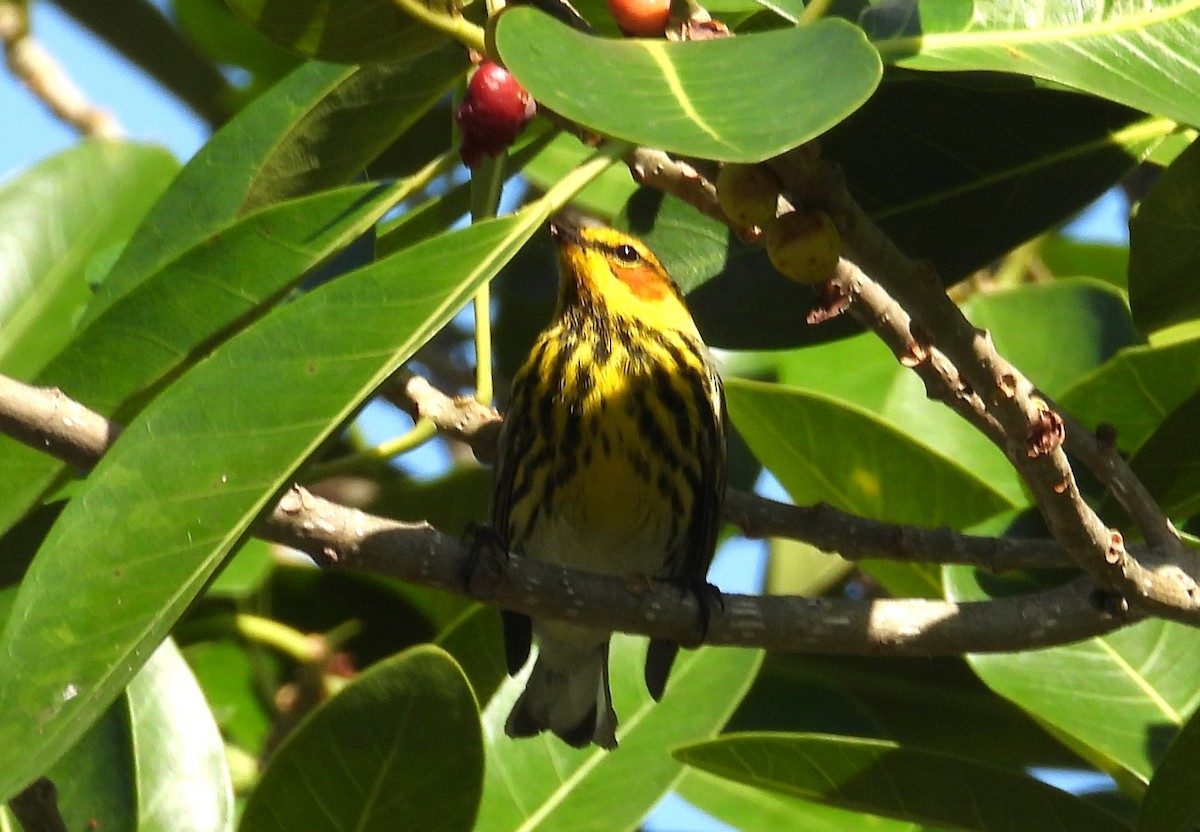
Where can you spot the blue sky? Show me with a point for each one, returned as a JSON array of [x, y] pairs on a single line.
[[145, 112]]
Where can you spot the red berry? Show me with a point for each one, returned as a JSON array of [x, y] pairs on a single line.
[[494, 110], [641, 18]]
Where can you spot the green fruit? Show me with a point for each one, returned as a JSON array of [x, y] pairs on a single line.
[[748, 194], [804, 245]]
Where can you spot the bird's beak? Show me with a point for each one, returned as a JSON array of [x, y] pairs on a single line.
[[565, 231]]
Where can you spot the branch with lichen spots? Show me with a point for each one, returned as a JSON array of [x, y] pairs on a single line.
[[339, 537]]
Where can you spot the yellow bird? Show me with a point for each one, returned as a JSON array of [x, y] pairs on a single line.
[[612, 461]]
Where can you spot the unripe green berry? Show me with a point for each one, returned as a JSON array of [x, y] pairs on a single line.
[[748, 194], [804, 245]]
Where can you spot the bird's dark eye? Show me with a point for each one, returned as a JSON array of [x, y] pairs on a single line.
[[627, 254]]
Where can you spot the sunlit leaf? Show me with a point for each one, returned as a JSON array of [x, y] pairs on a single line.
[[735, 99], [1138, 53], [399, 746], [1124, 696], [905, 783]]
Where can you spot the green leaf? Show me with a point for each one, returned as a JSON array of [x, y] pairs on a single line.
[[476, 642], [737, 99], [745, 807], [1136, 389], [154, 761], [1164, 247], [1067, 257], [245, 573], [961, 191], [973, 169], [891, 699], [150, 333], [1139, 54], [824, 450], [232, 675], [348, 31], [56, 218], [188, 476], [862, 371], [1124, 696], [1030, 324], [1169, 462], [96, 780], [897, 782], [602, 198], [211, 25], [316, 128], [179, 756], [542, 784], [399, 747], [1172, 801]]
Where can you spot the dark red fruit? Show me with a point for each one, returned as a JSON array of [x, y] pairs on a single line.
[[493, 112]]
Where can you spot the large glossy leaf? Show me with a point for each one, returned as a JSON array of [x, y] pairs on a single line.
[[1172, 801], [891, 699], [1030, 325], [745, 807], [898, 782], [1138, 53], [154, 761], [476, 642], [148, 334], [862, 371], [349, 31], [96, 779], [1164, 247], [1169, 461], [56, 217], [316, 128], [603, 198], [399, 747], [974, 167], [736, 99], [179, 757], [1124, 696], [1136, 389], [187, 477], [824, 450], [542, 784]]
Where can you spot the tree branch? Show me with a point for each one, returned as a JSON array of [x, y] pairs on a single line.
[[1014, 415], [45, 78], [337, 536]]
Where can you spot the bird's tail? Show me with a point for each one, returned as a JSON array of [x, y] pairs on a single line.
[[568, 694]]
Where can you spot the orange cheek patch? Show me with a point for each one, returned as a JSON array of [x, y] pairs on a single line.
[[643, 281]]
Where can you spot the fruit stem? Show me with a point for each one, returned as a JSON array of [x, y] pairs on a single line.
[[451, 25], [487, 180], [813, 11]]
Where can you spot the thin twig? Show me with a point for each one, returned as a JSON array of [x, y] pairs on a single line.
[[45, 78]]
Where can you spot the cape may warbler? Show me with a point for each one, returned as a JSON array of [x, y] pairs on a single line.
[[612, 460]]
